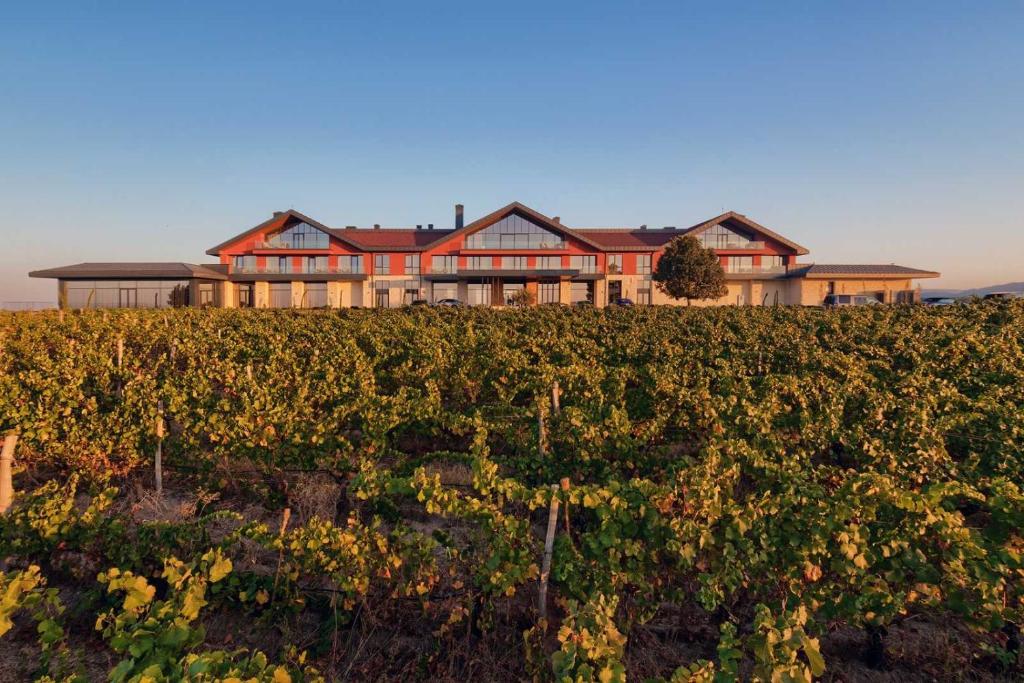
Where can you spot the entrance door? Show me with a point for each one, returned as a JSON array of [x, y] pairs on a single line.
[[614, 291], [126, 298]]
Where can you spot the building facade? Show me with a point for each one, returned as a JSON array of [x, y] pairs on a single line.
[[508, 256]]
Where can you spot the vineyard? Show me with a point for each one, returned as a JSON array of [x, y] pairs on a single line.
[[550, 493]]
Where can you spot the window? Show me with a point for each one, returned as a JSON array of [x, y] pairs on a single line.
[[444, 264], [479, 263], [480, 294], [280, 295], [314, 264], [739, 264], [548, 293], [643, 294], [315, 295], [445, 290], [126, 293], [722, 237], [513, 263], [581, 291], [510, 291], [245, 264], [279, 264], [381, 264], [382, 295], [773, 262], [298, 236], [643, 264], [245, 296], [584, 264], [411, 292], [614, 264], [549, 263], [350, 264], [514, 232], [412, 264], [205, 294]]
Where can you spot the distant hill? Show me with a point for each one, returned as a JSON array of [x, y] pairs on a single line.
[[1017, 287]]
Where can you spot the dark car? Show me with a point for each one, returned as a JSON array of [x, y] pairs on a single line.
[[999, 296], [622, 301], [938, 301], [448, 302], [834, 300]]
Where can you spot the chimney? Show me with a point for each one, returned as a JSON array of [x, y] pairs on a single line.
[[350, 227], [376, 226], [458, 216], [430, 226], [643, 227], [557, 219], [278, 213], [419, 226]]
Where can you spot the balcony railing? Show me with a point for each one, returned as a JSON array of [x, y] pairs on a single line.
[[331, 270], [734, 244], [754, 269], [288, 244]]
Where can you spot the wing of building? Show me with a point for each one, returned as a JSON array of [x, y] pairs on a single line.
[[292, 260]]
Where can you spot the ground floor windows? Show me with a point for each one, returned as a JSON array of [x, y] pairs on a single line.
[[480, 293], [512, 293], [581, 291], [412, 292], [548, 292], [643, 293], [280, 294], [246, 296], [445, 290], [206, 295], [382, 295], [126, 293], [315, 295]]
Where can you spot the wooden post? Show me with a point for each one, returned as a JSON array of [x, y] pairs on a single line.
[[158, 459], [565, 489], [549, 544], [248, 371], [60, 314], [542, 435], [172, 352], [6, 462], [120, 350], [556, 398]]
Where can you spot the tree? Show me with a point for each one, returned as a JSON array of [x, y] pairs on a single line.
[[687, 270]]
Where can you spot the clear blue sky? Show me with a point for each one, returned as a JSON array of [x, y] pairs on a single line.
[[870, 132]]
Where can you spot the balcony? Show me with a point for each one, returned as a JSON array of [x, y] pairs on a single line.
[[331, 270], [736, 244], [740, 269]]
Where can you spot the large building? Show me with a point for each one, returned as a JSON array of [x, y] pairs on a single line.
[[292, 260]]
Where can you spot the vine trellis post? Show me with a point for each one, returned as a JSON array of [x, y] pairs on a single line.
[[6, 464], [158, 472], [549, 544]]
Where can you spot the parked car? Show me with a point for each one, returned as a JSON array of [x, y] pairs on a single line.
[[622, 301], [938, 301], [419, 302], [999, 296], [448, 302], [833, 300]]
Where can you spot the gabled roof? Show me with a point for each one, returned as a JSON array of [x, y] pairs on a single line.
[[526, 212], [753, 225], [279, 220], [134, 271], [854, 270]]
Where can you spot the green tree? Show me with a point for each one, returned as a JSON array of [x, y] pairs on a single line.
[[688, 271]]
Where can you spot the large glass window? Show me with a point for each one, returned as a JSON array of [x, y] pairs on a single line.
[[513, 263], [246, 299], [614, 264], [279, 264], [480, 294], [722, 237], [479, 263], [444, 264], [127, 293], [581, 291], [511, 290], [350, 264], [549, 263], [298, 236], [412, 264], [382, 264], [643, 293], [206, 298], [584, 264], [445, 290], [280, 295], [382, 295], [412, 292], [245, 264], [315, 295], [548, 292], [314, 264], [739, 264], [515, 232], [643, 264], [773, 263]]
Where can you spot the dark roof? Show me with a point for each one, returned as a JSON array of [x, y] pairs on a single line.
[[840, 269], [390, 238], [630, 238], [134, 271]]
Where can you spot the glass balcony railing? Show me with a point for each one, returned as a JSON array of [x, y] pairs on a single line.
[[734, 244], [754, 269], [330, 270]]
